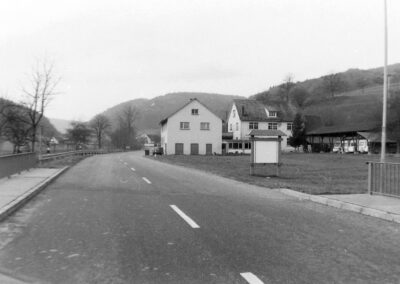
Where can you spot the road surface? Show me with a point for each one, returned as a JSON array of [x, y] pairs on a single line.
[[123, 218]]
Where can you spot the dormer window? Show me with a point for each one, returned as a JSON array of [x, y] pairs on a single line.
[[195, 111], [273, 114]]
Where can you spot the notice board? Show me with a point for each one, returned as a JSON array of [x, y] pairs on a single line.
[[266, 152]]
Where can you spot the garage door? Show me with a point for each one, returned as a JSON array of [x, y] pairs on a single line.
[[178, 148], [194, 149]]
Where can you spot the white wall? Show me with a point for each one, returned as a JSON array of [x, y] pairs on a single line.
[[233, 119], [173, 134]]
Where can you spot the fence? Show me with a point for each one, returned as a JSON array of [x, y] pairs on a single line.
[[384, 178], [12, 164]]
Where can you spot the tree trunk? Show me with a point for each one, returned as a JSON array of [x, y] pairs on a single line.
[[33, 141]]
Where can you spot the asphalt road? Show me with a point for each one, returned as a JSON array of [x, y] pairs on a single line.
[[123, 218]]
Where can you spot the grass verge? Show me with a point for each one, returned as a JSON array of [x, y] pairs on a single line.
[[312, 173]]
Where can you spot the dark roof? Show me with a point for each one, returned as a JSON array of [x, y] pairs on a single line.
[[154, 137], [375, 137], [258, 132], [162, 122], [227, 135], [344, 128], [253, 110]]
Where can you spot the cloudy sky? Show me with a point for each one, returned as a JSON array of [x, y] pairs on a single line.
[[108, 52]]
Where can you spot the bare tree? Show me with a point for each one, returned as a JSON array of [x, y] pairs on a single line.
[[333, 83], [287, 85], [42, 88], [124, 135], [79, 133], [299, 96], [100, 124]]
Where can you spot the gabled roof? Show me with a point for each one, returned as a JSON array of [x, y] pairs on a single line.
[[266, 133], [253, 110], [162, 122]]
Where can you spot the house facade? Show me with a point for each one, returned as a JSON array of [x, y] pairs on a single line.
[[247, 115], [191, 130]]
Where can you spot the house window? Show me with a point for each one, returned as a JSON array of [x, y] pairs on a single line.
[[195, 111], [230, 127], [204, 126], [247, 145], [253, 125], [237, 126], [273, 113], [185, 125], [272, 126], [234, 113], [289, 126]]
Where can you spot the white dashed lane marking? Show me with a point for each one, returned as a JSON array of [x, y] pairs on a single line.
[[185, 217], [251, 278], [133, 169], [146, 180]]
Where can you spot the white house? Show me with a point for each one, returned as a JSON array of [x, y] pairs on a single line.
[[247, 115], [191, 130]]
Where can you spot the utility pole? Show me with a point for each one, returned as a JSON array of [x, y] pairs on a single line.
[[385, 87]]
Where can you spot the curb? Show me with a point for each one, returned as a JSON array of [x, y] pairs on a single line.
[[28, 195], [343, 205]]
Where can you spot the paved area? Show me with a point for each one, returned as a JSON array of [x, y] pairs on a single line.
[[18, 189], [127, 219], [383, 203]]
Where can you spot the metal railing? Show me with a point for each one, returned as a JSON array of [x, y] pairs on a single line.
[[49, 157], [12, 164], [384, 178]]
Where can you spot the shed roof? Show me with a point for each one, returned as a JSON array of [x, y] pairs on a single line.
[[344, 128], [375, 137], [266, 133]]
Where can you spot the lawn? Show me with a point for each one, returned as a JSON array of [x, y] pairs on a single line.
[[311, 173]]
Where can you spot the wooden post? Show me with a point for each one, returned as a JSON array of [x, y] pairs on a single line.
[[370, 178], [278, 165]]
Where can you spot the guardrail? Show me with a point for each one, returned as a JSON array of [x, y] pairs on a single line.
[[12, 164], [384, 178], [49, 157]]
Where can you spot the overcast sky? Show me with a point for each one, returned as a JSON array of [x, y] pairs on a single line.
[[108, 52]]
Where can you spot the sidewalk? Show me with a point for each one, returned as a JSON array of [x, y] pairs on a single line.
[[20, 188], [386, 208]]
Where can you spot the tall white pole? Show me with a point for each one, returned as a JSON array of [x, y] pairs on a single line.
[[385, 87]]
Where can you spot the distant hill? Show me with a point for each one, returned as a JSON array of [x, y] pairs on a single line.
[[61, 124], [152, 111], [358, 100]]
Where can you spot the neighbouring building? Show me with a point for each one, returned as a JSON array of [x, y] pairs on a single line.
[[191, 130], [247, 115], [148, 138]]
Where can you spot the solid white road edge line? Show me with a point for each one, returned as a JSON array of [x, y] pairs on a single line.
[[133, 169], [146, 180], [185, 217], [251, 278]]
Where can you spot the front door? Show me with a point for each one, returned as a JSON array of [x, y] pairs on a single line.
[[194, 149], [208, 149], [178, 148]]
